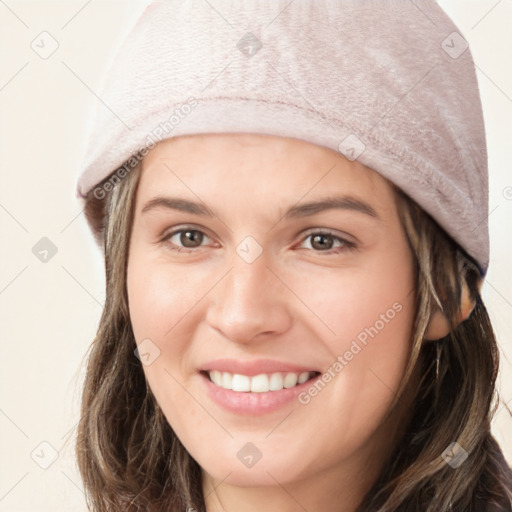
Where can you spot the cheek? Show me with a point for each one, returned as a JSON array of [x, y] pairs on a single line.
[[357, 303], [160, 297], [164, 305], [370, 313]]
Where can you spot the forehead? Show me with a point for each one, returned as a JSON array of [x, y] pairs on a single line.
[[258, 168]]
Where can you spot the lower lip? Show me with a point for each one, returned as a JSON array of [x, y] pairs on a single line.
[[253, 403]]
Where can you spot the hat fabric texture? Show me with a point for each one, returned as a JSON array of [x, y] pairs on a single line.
[[390, 83]]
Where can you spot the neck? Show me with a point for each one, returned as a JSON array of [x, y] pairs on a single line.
[[321, 493]]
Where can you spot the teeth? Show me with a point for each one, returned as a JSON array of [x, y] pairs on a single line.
[[241, 383], [290, 380], [227, 380], [276, 382], [258, 384], [303, 377], [261, 383]]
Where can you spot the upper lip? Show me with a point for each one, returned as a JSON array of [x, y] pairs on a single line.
[[253, 367]]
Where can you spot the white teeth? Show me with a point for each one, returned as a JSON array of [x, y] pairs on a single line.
[[276, 382], [216, 377], [261, 383], [303, 377], [290, 380], [241, 383], [227, 379]]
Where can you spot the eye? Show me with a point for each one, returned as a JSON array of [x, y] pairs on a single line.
[[323, 241], [189, 238]]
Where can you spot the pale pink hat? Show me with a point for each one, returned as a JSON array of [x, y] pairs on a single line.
[[390, 83]]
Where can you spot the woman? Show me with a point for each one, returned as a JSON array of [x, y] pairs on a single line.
[[293, 318]]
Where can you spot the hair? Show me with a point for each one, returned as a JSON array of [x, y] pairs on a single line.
[[130, 459]]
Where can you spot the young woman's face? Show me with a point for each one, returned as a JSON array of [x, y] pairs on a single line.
[[269, 258]]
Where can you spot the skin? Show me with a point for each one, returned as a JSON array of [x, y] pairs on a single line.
[[294, 303]]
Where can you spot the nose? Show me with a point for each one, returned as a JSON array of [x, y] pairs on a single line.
[[250, 302]]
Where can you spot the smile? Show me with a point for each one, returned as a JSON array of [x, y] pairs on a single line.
[[262, 383]]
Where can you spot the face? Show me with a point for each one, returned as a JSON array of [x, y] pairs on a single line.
[[243, 275]]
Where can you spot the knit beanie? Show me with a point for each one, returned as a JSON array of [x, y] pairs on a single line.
[[390, 83]]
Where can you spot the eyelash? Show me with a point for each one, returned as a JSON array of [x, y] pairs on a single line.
[[347, 245]]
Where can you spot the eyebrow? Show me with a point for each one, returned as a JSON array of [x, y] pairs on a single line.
[[298, 211]]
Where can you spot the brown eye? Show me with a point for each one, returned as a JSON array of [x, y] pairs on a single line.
[[191, 237], [323, 241], [183, 239]]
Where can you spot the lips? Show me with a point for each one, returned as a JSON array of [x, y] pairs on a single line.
[[254, 367], [258, 386], [246, 401]]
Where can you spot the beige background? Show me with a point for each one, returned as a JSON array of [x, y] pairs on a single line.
[[49, 311]]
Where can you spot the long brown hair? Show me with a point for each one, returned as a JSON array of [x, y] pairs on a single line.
[[131, 460]]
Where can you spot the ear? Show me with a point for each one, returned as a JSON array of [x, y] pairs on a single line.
[[439, 327]]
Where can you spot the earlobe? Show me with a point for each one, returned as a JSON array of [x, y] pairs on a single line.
[[439, 327]]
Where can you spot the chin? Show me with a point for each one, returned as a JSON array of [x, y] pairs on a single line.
[[277, 466], [256, 476]]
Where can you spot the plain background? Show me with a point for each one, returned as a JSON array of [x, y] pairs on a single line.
[[50, 310]]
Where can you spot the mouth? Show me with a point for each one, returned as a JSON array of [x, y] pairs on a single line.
[[261, 383]]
